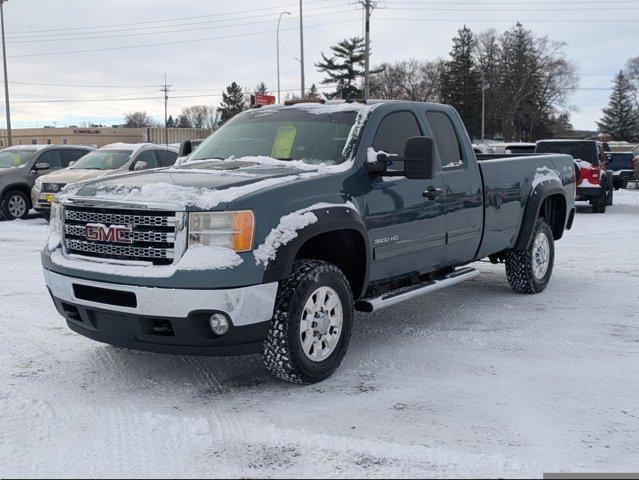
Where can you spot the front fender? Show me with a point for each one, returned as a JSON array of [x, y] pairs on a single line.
[[329, 219]]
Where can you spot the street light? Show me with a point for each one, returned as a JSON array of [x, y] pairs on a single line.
[[6, 80], [278, 53]]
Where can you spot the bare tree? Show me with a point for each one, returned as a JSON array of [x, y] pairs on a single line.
[[138, 120], [408, 80], [632, 73], [200, 116]]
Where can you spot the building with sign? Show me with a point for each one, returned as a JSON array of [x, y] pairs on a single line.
[[99, 136]]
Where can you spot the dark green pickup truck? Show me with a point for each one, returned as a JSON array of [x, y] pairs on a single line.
[[287, 220]]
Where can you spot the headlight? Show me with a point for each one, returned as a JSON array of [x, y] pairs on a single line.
[[38, 184], [55, 226], [222, 229]]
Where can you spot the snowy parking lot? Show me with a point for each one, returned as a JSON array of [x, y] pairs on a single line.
[[470, 381]]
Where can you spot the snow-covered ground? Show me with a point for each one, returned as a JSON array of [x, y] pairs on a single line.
[[470, 381]]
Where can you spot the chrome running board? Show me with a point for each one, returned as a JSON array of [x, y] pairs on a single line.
[[394, 297]]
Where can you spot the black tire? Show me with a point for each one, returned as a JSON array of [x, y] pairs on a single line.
[[46, 216], [520, 263], [282, 351], [5, 210], [599, 205], [610, 198]]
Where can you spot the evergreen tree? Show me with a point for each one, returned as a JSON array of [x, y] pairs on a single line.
[[261, 89], [461, 81], [232, 102], [170, 123], [344, 67], [313, 93], [184, 122], [620, 117]]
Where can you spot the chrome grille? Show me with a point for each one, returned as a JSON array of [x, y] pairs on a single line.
[[113, 250], [52, 187], [137, 236], [152, 237], [119, 219]]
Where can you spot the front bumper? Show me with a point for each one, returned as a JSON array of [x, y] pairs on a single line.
[[39, 201], [162, 319]]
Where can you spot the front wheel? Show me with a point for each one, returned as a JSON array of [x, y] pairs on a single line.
[[529, 270], [14, 205], [311, 326]]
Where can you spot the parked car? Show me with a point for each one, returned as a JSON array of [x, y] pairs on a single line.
[[622, 166], [286, 220], [594, 182], [108, 160], [20, 167], [514, 147]]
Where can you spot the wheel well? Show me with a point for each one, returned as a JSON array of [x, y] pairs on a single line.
[[345, 249], [23, 188], [553, 210]]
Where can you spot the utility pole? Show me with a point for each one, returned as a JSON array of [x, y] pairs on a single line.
[[166, 89], [302, 49], [483, 107], [278, 53], [368, 6], [6, 79]]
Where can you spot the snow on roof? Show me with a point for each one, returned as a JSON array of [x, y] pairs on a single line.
[[135, 147], [29, 147]]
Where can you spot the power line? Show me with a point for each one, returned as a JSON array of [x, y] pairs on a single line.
[[179, 42], [493, 20], [141, 34], [138, 23]]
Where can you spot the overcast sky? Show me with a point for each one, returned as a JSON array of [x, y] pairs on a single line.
[[203, 45]]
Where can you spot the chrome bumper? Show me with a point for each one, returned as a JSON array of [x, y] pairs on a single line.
[[245, 306]]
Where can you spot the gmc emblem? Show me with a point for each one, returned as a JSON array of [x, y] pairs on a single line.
[[98, 232]]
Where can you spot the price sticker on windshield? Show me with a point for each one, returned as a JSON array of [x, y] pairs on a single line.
[[283, 144]]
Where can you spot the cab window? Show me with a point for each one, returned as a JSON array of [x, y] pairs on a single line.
[[393, 132], [448, 146]]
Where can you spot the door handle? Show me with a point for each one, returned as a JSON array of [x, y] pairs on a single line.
[[432, 193]]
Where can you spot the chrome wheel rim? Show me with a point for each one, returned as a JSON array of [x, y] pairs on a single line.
[[321, 324], [17, 206], [541, 256]]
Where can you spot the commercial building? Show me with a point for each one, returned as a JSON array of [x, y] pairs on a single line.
[[99, 136]]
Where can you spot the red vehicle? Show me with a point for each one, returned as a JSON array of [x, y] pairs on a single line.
[[594, 181]]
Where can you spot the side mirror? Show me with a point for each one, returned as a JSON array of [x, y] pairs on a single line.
[[419, 158], [41, 166], [186, 148], [71, 163], [418, 161], [141, 165]]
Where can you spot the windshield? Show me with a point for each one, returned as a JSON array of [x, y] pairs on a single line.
[[103, 160], [585, 151], [15, 158], [284, 134]]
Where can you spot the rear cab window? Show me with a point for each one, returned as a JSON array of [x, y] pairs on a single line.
[[446, 140], [585, 151]]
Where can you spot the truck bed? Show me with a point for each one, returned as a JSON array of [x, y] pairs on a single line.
[[509, 180]]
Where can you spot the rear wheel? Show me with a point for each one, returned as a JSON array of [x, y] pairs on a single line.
[[311, 327], [529, 270], [610, 198], [14, 205], [599, 204]]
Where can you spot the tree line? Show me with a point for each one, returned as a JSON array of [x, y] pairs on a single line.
[[511, 85]]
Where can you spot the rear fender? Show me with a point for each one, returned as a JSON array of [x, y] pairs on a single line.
[[531, 214]]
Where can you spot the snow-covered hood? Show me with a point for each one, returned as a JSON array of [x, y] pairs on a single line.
[[68, 175], [203, 185]]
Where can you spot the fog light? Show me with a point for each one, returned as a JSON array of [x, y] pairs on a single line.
[[218, 323]]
